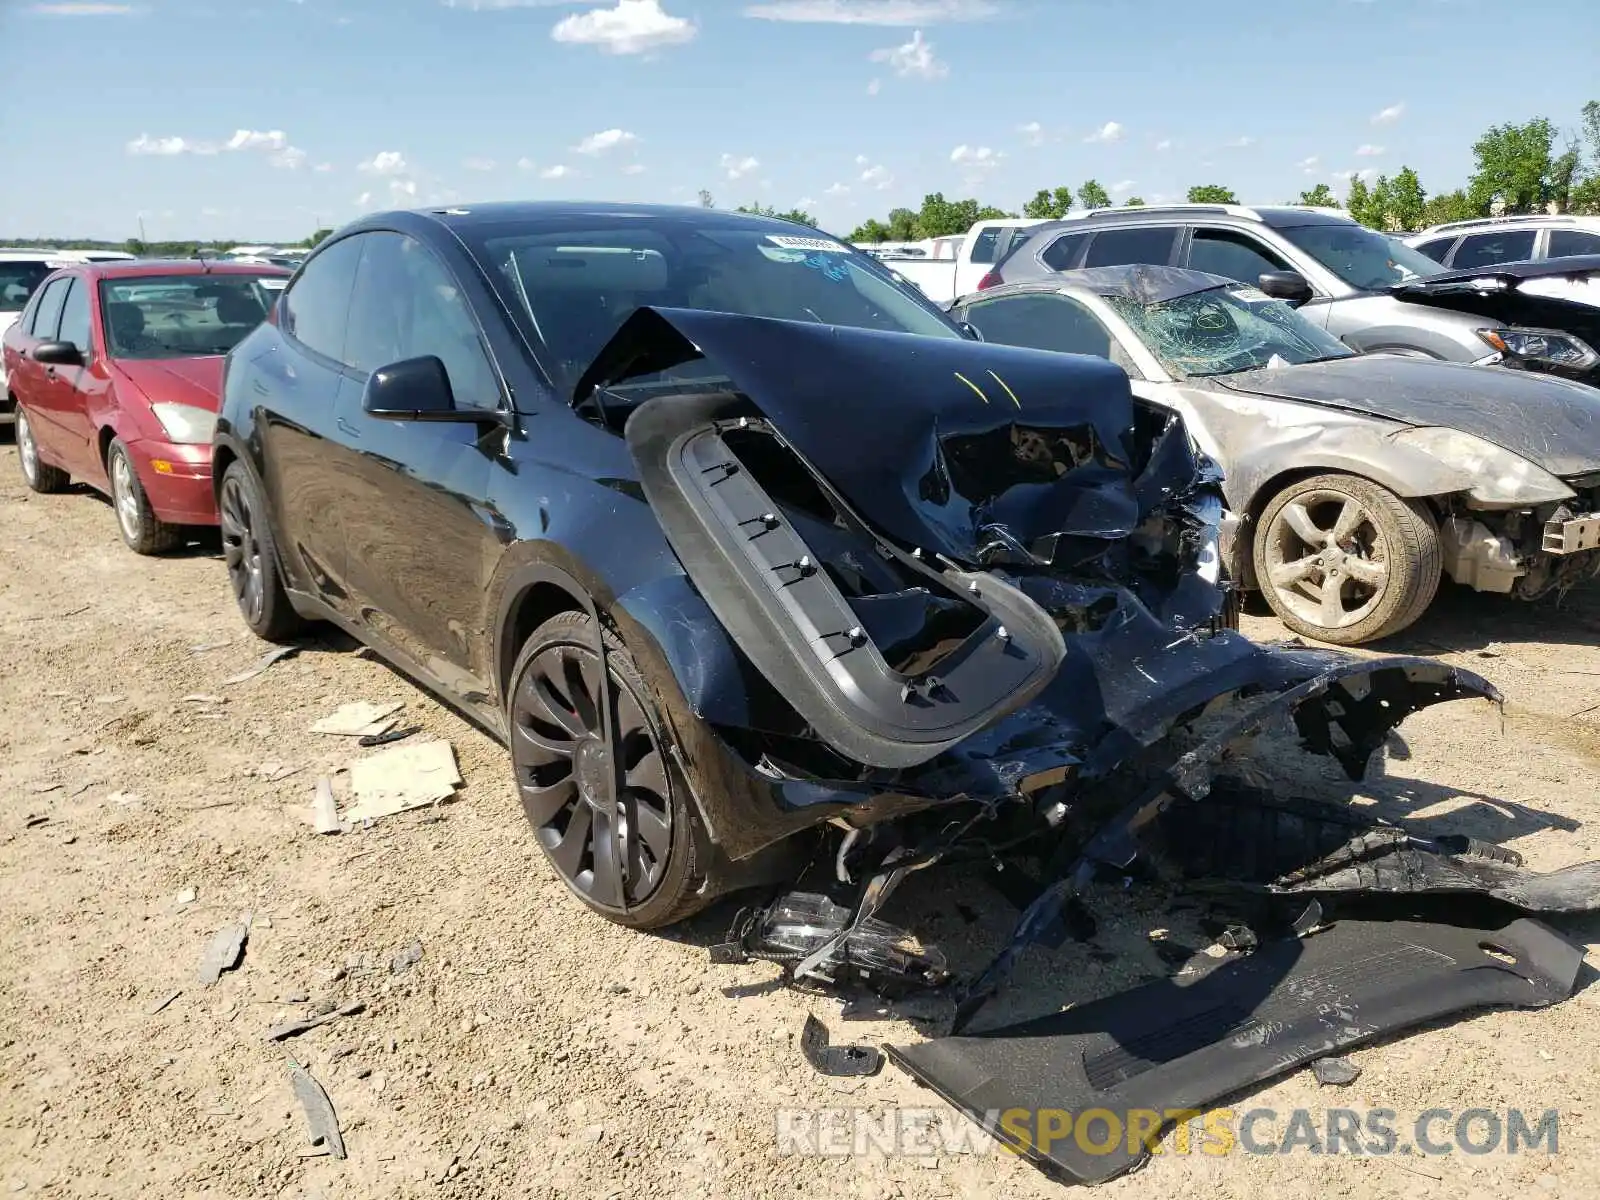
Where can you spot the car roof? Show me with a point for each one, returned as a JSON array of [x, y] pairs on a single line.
[[1144, 283], [1482, 224], [1274, 216], [140, 268], [501, 212]]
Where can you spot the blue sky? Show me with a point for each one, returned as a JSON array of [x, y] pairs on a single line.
[[264, 118]]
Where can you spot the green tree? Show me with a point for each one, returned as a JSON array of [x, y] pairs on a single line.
[[1092, 195], [1447, 206], [1320, 196], [871, 230], [902, 226], [1515, 166], [1133, 202], [797, 215], [1377, 211], [135, 246], [1049, 205], [1359, 199], [316, 237], [1407, 200], [1212, 193]]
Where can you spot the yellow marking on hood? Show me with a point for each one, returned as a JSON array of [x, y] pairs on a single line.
[[1007, 386], [973, 386]]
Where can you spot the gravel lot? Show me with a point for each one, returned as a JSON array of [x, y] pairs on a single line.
[[536, 1050]]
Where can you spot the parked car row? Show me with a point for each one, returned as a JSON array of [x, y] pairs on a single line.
[[769, 572]]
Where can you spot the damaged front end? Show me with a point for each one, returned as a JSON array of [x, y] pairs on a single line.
[[985, 583]]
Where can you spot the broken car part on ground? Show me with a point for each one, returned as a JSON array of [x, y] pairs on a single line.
[[818, 596]]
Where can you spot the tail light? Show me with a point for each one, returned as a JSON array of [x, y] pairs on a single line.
[[989, 280]]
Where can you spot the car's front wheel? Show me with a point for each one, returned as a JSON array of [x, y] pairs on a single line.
[[1344, 560], [144, 532], [611, 813], [251, 556], [38, 474]]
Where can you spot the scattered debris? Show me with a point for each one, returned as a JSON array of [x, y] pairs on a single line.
[[406, 777], [343, 1050], [162, 1003], [272, 772], [188, 896], [394, 735], [836, 1060], [224, 950], [272, 656], [321, 1120], [288, 1029], [125, 799], [40, 789], [202, 698], [34, 820], [324, 810], [1335, 1072], [358, 719], [405, 958]]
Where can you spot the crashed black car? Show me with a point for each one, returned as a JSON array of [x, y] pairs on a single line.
[[770, 575]]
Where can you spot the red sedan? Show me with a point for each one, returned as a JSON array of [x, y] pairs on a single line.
[[115, 371]]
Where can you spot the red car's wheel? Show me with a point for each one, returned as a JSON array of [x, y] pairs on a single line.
[[40, 475]]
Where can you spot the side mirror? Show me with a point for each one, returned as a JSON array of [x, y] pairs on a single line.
[[58, 354], [1285, 285], [414, 389], [972, 331]]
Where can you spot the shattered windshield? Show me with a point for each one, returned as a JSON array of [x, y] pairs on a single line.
[[1362, 257], [1226, 329], [578, 284]]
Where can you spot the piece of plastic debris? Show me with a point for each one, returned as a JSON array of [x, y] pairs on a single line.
[[202, 698], [288, 1029], [224, 950], [188, 896], [403, 959], [40, 789], [358, 719], [324, 810], [34, 820], [1335, 1072], [836, 1060], [162, 1003], [321, 1120], [402, 778], [394, 735], [271, 656]]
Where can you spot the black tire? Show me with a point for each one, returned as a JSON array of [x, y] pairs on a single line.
[[251, 555], [1387, 554], [38, 474], [141, 529], [656, 874]]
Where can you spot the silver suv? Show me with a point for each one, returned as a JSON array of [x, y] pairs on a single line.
[[1490, 241], [1337, 272]]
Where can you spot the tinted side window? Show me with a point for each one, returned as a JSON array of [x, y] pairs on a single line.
[[1232, 255], [1564, 243], [406, 305], [1487, 249], [1438, 249], [47, 316], [1046, 322], [314, 311], [1062, 254], [1121, 247], [75, 316]]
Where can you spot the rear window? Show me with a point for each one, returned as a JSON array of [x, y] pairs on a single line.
[[1438, 249], [1564, 243], [1062, 254], [1125, 247], [987, 247], [182, 316], [19, 280]]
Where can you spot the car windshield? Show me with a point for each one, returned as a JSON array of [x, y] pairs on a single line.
[[1362, 257], [578, 281], [1226, 329], [19, 280], [183, 316]]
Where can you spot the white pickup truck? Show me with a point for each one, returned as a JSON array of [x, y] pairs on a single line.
[[957, 264]]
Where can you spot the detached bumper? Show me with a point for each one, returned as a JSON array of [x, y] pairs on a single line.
[[177, 480]]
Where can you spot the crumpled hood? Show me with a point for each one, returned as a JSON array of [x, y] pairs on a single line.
[[193, 381], [969, 441], [1554, 423]]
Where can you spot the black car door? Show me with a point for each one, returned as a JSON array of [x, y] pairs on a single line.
[[294, 402], [420, 536]]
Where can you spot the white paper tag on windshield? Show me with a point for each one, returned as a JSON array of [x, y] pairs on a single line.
[[1250, 295], [807, 243]]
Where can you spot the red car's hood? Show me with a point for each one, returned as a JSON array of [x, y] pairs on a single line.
[[196, 381]]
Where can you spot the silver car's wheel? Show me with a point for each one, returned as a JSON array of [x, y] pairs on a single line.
[[125, 497], [38, 474], [1344, 560], [142, 530]]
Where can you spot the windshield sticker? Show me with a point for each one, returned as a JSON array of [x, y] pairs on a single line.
[[1250, 295], [808, 243], [788, 256]]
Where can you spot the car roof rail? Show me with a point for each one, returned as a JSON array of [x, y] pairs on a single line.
[[1232, 210], [1554, 218]]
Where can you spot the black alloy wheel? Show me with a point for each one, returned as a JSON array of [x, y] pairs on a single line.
[[608, 812], [251, 559]]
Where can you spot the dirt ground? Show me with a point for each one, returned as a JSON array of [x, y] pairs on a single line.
[[536, 1050]]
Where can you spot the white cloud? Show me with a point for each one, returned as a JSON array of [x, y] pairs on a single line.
[[607, 139], [912, 60], [804, 202], [873, 12], [975, 161], [1164, 144], [401, 190], [250, 139], [364, 199], [1387, 116], [862, 160], [1239, 143], [322, 168], [495, 5], [526, 164], [1368, 150], [634, 169], [1309, 165], [1109, 132], [1032, 132], [632, 27], [1366, 175], [82, 10], [163, 146], [559, 171], [385, 162], [290, 158], [874, 86], [738, 168], [478, 164], [836, 189], [876, 176], [1122, 185]]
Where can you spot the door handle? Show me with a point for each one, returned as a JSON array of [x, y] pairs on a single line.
[[346, 426]]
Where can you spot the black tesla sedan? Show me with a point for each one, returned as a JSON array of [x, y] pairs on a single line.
[[752, 556]]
